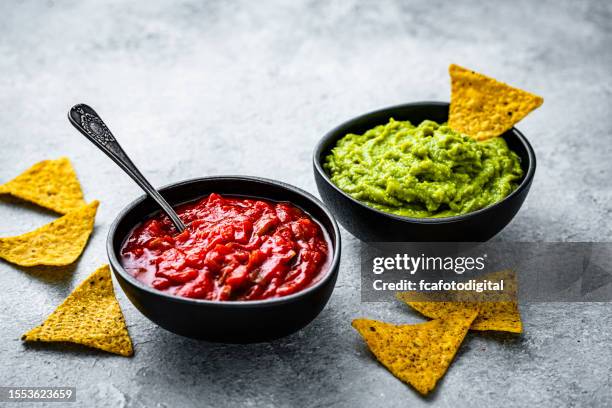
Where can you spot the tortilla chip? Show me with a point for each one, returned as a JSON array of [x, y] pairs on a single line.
[[417, 354], [497, 316], [56, 244], [52, 184], [90, 315], [484, 108]]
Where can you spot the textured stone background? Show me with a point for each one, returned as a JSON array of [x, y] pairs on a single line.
[[199, 88]]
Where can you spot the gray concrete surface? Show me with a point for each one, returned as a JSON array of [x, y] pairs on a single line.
[[200, 88]]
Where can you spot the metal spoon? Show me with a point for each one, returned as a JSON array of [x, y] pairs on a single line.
[[87, 121]]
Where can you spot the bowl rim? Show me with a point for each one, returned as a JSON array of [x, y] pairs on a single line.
[[331, 272], [317, 158]]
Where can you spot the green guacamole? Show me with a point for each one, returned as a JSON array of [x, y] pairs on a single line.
[[423, 171]]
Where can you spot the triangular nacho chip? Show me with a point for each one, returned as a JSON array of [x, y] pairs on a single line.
[[498, 315], [495, 316], [90, 315], [482, 107], [56, 244], [417, 354], [52, 184]]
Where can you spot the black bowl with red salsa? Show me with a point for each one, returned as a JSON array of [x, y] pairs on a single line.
[[259, 258], [234, 248]]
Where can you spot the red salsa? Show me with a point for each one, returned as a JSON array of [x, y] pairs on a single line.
[[233, 249]]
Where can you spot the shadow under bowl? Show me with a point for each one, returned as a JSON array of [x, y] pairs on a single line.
[[371, 225], [226, 321]]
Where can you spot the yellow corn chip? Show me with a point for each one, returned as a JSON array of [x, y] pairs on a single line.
[[90, 315], [417, 354], [57, 243], [52, 184], [498, 315], [482, 107]]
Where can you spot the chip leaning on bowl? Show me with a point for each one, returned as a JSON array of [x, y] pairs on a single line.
[[425, 170]]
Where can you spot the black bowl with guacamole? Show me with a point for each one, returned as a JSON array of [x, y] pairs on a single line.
[[401, 174]]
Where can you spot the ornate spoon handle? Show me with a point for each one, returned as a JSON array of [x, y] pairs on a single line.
[[87, 121]]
